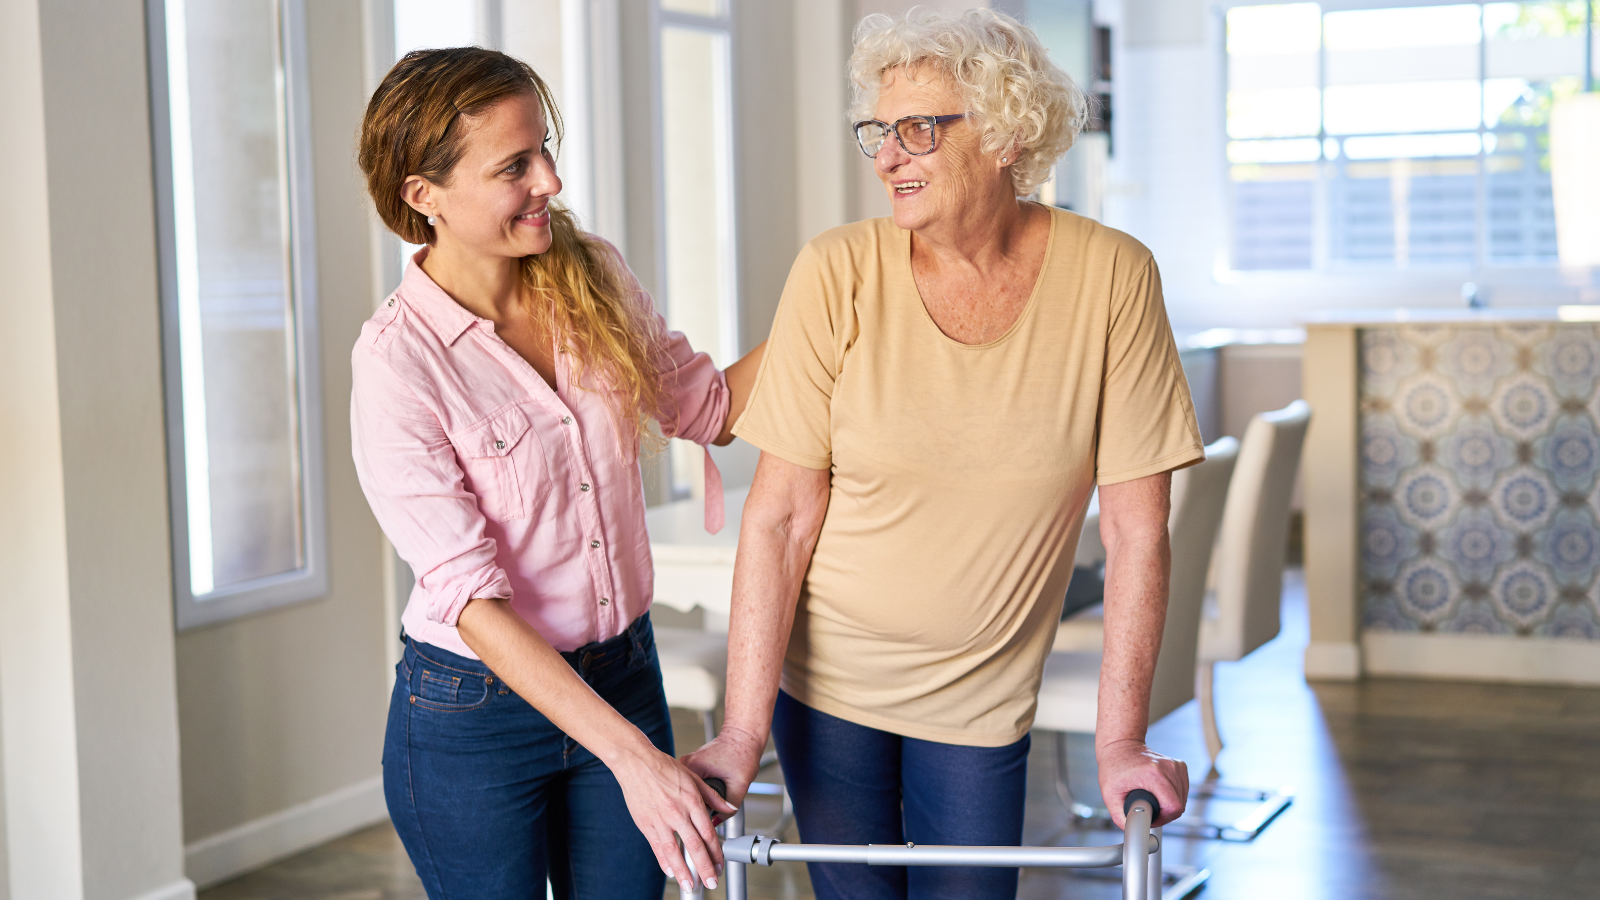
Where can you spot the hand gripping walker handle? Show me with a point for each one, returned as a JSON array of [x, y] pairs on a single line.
[[1137, 794]]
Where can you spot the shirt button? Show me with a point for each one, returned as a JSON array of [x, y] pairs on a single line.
[[566, 420], [605, 601], [594, 545], [584, 486], [391, 301], [499, 445]]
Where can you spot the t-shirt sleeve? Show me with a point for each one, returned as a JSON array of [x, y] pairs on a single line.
[[1147, 422], [789, 413]]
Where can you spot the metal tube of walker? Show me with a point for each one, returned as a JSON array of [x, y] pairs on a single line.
[[733, 874], [948, 855], [1139, 854], [1139, 810]]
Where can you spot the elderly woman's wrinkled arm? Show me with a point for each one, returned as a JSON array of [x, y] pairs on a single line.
[[1133, 525], [782, 520]]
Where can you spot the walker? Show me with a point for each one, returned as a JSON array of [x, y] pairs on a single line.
[[1139, 854]]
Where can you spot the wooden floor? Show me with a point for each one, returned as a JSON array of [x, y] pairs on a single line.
[[1404, 789]]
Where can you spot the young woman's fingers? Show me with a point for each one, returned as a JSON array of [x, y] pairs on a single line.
[[670, 858], [698, 850], [706, 829]]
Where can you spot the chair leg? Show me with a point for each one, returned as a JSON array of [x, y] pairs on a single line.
[[1269, 803], [1082, 813], [1205, 676], [786, 811]]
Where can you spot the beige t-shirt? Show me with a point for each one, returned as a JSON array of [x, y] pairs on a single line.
[[960, 472]]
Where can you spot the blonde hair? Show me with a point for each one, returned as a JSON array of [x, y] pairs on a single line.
[[1015, 95], [412, 127]]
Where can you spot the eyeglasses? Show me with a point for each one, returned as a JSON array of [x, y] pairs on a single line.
[[916, 134]]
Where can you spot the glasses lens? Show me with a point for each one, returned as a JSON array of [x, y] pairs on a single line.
[[870, 135], [916, 134]]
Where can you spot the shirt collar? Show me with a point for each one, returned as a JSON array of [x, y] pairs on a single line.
[[447, 318]]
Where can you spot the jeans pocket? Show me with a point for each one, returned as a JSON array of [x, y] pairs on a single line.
[[448, 690]]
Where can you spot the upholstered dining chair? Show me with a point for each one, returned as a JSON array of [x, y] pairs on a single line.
[[1246, 591], [1245, 594], [1069, 692]]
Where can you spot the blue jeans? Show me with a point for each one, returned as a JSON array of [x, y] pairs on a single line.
[[491, 799], [857, 785]]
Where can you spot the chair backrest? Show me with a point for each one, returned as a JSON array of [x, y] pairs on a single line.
[[1247, 569], [1198, 495]]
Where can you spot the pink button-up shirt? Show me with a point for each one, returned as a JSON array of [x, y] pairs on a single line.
[[490, 484]]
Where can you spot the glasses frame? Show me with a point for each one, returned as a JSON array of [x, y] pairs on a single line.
[[894, 129]]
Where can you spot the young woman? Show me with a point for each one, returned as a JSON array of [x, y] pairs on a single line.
[[500, 398]]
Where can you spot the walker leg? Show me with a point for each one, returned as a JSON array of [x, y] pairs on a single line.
[[733, 874], [697, 891], [1156, 878]]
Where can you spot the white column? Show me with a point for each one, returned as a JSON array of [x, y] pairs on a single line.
[[87, 699], [1331, 482]]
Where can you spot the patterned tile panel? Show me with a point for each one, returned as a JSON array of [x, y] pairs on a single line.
[[1480, 479]]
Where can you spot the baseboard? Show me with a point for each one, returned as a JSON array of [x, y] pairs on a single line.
[[182, 889], [270, 838], [1332, 661], [1471, 657]]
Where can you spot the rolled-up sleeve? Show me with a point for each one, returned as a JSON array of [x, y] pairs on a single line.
[[698, 390], [409, 472]]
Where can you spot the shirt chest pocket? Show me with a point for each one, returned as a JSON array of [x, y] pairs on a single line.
[[503, 461]]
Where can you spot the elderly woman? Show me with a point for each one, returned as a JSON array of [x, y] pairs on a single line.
[[941, 392]]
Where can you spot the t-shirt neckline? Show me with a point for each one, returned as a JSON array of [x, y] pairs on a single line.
[[1022, 317]]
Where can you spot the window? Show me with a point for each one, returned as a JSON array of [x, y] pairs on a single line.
[[697, 190], [239, 306], [1396, 137], [432, 24]]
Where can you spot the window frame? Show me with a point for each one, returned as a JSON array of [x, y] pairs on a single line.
[[310, 581], [722, 26], [1519, 277], [682, 484]]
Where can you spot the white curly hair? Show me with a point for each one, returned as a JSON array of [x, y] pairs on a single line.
[[1015, 95]]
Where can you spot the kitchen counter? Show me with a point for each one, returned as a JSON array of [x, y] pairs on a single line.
[[1452, 489]]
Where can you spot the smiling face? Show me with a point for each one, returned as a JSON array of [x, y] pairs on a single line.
[[934, 187], [497, 200]]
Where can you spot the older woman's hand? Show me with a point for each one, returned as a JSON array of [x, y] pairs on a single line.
[[734, 756], [1128, 765]]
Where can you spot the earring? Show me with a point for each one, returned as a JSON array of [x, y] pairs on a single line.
[[1004, 159], [432, 220]]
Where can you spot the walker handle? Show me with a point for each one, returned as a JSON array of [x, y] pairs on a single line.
[[1137, 794], [721, 787]]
